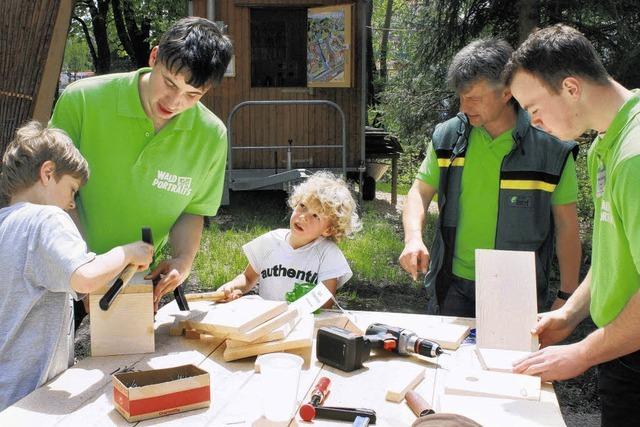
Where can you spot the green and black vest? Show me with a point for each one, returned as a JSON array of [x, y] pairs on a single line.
[[528, 176]]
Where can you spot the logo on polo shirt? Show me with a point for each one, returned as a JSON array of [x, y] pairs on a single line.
[[173, 183], [605, 212]]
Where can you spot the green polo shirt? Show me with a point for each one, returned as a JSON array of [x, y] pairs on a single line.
[[480, 187], [139, 178], [614, 170]]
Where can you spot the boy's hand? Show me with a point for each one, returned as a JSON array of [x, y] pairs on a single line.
[[230, 294], [139, 254]]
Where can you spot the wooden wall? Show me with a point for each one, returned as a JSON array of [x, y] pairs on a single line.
[[32, 40], [271, 125]]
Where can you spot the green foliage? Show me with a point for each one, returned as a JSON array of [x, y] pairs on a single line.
[[76, 55], [385, 186], [373, 253], [416, 97]]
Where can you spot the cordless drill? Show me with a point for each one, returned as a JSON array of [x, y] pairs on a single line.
[[347, 351]]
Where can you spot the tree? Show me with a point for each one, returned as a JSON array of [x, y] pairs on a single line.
[[96, 13], [416, 96], [123, 29]]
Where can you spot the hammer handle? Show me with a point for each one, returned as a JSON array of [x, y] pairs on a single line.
[[206, 296], [418, 405], [118, 285]]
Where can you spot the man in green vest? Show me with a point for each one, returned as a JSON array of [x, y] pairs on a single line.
[[558, 77], [157, 155], [501, 184]]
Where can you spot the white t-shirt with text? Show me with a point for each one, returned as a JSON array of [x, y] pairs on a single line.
[[280, 266]]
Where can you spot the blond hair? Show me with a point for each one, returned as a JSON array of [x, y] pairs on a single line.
[[329, 195], [33, 145]]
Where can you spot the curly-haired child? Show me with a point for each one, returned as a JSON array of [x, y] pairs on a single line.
[[324, 212]]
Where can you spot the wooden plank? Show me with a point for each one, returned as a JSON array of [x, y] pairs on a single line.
[[49, 82], [404, 381], [476, 382], [266, 327], [448, 335], [499, 360], [128, 326], [238, 316], [277, 334], [489, 411], [506, 304], [301, 336]]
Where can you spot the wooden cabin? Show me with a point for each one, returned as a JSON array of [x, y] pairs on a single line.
[[290, 51]]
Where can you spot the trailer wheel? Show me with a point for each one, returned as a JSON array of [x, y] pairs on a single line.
[[368, 188]]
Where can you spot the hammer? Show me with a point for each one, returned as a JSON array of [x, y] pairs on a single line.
[[124, 277]]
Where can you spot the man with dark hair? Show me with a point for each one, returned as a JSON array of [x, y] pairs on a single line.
[[558, 77], [501, 184], [157, 154]]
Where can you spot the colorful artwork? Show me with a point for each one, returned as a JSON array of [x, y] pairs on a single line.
[[328, 53]]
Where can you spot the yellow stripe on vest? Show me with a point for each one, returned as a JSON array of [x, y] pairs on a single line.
[[444, 163], [510, 184]]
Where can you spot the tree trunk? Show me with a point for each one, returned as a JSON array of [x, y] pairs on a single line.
[[384, 44], [528, 17], [99, 48]]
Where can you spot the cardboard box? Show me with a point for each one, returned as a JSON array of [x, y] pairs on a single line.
[[149, 394]]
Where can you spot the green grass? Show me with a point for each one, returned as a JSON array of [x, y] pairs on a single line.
[[372, 253], [403, 189]]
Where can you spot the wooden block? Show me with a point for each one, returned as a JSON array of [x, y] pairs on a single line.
[[277, 334], [506, 304], [127, 327], [206, 296], [178, 327], [448, 335], [499, 360], [405, 380], [239, 316], [192, 334], [300, 337], [477, 382], [491, 411], [265, 328]]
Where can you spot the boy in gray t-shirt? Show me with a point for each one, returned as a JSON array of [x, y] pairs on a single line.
[[44, 261]]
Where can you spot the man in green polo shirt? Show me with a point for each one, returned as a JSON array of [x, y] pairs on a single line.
[[558, 77], [497, 189], [157, 155]]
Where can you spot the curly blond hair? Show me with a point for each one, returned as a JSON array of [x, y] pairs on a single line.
[[330, 196]]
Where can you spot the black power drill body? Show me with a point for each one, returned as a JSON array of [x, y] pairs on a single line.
[[347, 351]]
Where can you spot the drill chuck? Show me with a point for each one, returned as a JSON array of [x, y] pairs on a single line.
[[425, 347]]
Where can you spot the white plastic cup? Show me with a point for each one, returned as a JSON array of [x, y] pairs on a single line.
[[280, 377]]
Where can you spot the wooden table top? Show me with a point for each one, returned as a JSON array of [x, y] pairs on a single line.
[[82, 395]]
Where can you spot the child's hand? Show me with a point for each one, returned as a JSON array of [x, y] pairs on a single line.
[[230, 294], [139, 254]]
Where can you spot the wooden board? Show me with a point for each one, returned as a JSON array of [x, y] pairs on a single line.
[[490, 411], [448, 335], [404, 381], [239, 316], [476, 382], [506, 303], [127, 327], [301, 336], [265, 328], [499, 360], [277, 334]]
